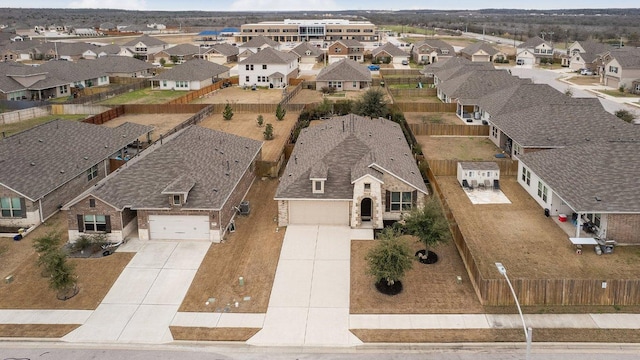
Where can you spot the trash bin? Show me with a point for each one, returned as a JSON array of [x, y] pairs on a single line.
[[546, 212]]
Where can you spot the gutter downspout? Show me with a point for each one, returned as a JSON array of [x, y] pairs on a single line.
[[40, 207]]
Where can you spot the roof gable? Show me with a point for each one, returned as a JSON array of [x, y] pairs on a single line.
[[345, 70]]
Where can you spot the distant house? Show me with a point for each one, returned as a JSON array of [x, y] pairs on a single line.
[[121, 66], [349, 170], [345, 49], [188, 188], [389, 53], [258, 43], [533, 50], [220, 54], [268, 67], [482, 52], [430, 51], [177, 54], [50, 164], [344, 75], [623, 69], [107, 26], [145, 46], [308, 54], [191, 75], [587, 55]]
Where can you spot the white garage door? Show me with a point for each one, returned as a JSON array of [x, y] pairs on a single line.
[[319, 212], [178, 227]]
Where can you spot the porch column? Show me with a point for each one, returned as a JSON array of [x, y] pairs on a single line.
[[578, 224]]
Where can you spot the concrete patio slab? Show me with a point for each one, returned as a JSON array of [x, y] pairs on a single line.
[[105, 324], [149, 325], [170, 287], [153, 255], [132, 286], [292, 284]]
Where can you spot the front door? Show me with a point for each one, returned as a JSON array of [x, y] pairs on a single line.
[[365, 209]]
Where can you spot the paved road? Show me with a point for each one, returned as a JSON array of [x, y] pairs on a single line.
[[48, 351]]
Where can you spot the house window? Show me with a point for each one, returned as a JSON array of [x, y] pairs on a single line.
[[92, 203], [637, 88], [526, 176], [494, 132], [92, 173], [246, 78], [613, 69], [355, 84], [164, 83], [517, 149], [318, 186], [337, 50], [95, 223], [542, 191], [367, 187], [401, 200], [264, 67], [11, 207], [176, 200]]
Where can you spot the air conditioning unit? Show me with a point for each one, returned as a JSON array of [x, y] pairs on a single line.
[[476, 115], [244, 209]]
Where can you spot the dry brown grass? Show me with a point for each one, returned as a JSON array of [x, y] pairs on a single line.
[[244, 124], [458, 148], [36, 330], [584, 80], [162, 123], [238, 95], [212, 334], [252, 252], [432, 118], [427, 289]]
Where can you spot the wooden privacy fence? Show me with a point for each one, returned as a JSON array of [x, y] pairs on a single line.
[[163, 108], [425, 92], [22, 115], [141, 84], [425, 107], [103, 117], [247, 108], [407, 80], [402, 72], [508, 167], [537, 292], [78, 109], [449, 129], [196, 94]]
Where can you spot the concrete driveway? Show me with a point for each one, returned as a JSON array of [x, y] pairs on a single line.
[[145, 298]]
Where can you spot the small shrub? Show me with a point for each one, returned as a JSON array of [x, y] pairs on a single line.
[[328, 89], [280, 112], [625, 115], [621, 88], [568, 92], [268, 132], [260, 120], [227, 113]]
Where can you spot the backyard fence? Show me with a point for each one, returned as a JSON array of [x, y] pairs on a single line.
[[508, 167], [413, 92], [163, 108], [400, 72], [141, 84], [536, 292], [22, 115], [425, 107], [103, 117], [77, 109], [449, 129], [196, 94]]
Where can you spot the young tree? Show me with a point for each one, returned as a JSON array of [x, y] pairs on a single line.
[[227, 113], [568, 92], [372, 104], [45, 246], [625, 115], [388, 261], [428, 224], [62, 279], [280, 112], [260, 120], [268, 132]]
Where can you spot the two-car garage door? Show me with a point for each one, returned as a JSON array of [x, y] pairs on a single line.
[[178, 227], [319, 212]]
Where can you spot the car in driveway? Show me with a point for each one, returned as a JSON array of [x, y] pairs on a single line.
[[405, 62], [586, 72], [374, 67]]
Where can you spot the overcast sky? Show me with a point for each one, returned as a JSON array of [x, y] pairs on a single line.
[[329, 5]]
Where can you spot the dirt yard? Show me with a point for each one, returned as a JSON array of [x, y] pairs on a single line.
[[244, 124], [584, 80], [252, 252], [427, 289], [161, 122], [529, 244], [458, 148], [432, 118], [238, 95]]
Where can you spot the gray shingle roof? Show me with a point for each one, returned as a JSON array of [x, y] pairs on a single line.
[[594, 47], [270, 56], [479, 165], [580, 173], [117, 64], [350, 43], [182, 50], [437, 45], [196, 69], [471, 86], [225, 49], [561, 124], [36, 161], [345, 70], [628, 58], [520, 96], [259, 41], [445, 64], [364, 146], [69, 71], [390, 49], [301, 50], [449, 72], [147, 40], [480, 45], [214, 161], [533, 42]]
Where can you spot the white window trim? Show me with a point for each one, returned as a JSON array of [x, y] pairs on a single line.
[[314, 188]]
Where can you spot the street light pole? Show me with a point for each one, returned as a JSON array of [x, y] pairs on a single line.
[[527, 331]]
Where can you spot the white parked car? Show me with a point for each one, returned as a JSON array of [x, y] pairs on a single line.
[[586, 72]]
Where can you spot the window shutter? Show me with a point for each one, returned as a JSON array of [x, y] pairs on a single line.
[[387, 201], [23, 207], [414, 198], [80, 223], [107, 220]]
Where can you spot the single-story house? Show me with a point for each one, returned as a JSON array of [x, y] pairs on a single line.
[[191, 75], [344, 75], [389, 53], [350, 170], [220, 53], [177, 54], [481, 51], [190, 187], [594, 182], [50, 164]]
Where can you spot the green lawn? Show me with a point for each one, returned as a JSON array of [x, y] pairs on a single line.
[[404, 86], [617, 93], [144, 96], [9, 129]]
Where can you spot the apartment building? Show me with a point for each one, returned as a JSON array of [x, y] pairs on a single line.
[[320, 30]]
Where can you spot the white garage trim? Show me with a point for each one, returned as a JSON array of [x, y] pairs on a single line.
[[313, 212], [179, 227]]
